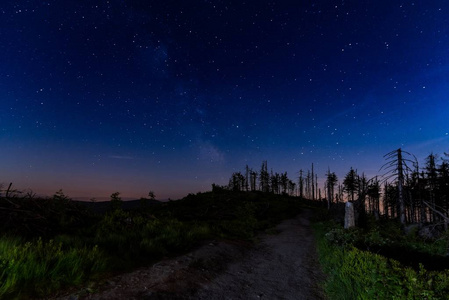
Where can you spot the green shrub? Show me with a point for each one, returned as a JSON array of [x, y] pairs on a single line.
[[376, 238], [343, 237], [113, 222]]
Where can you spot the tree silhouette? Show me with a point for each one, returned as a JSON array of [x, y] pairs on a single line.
[[253, 180], [116, 201], [351, 183], [313, 185], [443, 184], [373, 197], [274, 181], [284, 182], [237, 182], [264, 177], [301, 184], [308, 193], [291, 187], [331, 181], [247, 174], [431, 175]]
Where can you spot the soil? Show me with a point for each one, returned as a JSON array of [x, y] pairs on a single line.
[[282, 264]]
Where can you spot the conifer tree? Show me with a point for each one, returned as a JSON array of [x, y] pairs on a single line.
[[351, 183], [264, 177], [331, 181]]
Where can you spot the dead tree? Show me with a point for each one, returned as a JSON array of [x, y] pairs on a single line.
[[313, 185], [331, 181], [396, 168], [301, 185]]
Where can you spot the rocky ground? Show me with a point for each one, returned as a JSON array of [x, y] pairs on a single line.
[[281, 265]]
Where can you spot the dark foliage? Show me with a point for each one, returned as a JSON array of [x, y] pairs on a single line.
[[42, 217]]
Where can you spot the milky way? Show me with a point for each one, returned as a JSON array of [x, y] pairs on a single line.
[[172, 96]]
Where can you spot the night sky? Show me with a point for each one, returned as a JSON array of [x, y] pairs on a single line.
[[172, 96]]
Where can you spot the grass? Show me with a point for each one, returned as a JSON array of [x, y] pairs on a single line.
[[38, 268], [359, 274], [56, 244]]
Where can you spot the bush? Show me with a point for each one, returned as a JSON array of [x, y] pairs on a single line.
[[131, 238], [343, 237]]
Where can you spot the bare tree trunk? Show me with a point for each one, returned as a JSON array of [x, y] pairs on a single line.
[[247, 178], [400, 188], [308, 185], [349, 215], [385, 206], [313, 186], [7, 191]]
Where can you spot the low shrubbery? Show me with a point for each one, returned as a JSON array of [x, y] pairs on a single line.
[[56, 243], [354, 273], [134, 238]]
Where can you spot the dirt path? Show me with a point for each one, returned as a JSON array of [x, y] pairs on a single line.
[[282, 265]]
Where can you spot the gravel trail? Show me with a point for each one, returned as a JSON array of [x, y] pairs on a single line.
[[282, 266]]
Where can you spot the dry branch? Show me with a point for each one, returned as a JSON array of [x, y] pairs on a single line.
[[436, 211]]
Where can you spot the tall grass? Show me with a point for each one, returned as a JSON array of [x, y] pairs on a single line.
[[38, 268]]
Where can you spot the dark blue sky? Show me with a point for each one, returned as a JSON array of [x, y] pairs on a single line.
[[172, 96]]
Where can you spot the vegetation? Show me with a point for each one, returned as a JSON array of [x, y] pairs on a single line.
[[274, 182], [39, 267], [356, 270], [397, 251], [51, 244], [404, 191]]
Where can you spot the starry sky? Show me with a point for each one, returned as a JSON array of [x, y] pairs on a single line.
[[172, 96]]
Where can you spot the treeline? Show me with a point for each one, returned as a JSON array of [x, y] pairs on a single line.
[[262, 180], [274, 182], [417, 195], [404, 190]]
